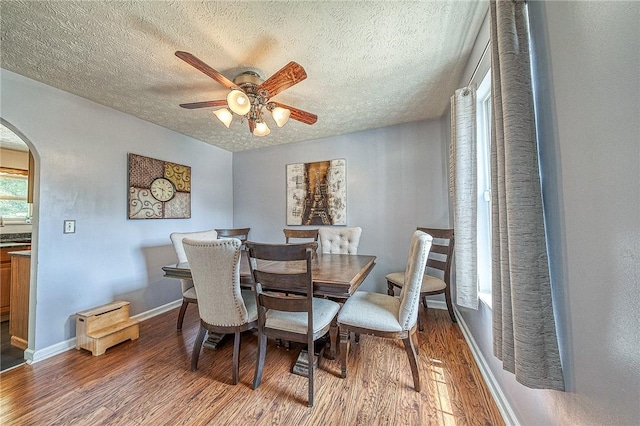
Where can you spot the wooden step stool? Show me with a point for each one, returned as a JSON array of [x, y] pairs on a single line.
[[104, 326]]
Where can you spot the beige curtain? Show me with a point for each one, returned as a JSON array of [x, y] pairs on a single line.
[[463, 184], [524, 331]]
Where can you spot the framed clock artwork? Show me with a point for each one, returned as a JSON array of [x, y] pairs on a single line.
[[158, 189]]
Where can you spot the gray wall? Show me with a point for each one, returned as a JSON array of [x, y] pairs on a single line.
[[81, 160], [588, 95], [396, 181]]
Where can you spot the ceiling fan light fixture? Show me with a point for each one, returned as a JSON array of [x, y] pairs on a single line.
[[280, 115], [261, 129], [224, 115], [238, 102]]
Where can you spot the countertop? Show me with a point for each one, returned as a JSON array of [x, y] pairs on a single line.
[[21, 253], [13, 244]]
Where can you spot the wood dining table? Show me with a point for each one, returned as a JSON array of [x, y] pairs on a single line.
[[335, 276]]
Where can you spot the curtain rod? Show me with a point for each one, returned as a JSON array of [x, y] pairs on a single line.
[[484, 52]]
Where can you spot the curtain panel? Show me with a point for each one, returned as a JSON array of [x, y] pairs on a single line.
[[524, 331], [463, 187]]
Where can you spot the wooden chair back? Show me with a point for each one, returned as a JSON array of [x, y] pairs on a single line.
[[240, 233], [300, 234], [441, 251], [282, 273], [284, 286]]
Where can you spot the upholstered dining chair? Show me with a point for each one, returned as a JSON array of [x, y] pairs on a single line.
[[439, 263], [287, 309], [340, 240], [306, 234], [388, 316], [188, 291], [223, 306]]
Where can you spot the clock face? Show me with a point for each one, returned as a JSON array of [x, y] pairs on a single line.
[[162, 189]]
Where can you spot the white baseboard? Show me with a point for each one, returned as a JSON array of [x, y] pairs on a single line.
[[504, 407], [157, 311], [35, 356], [437, 304]]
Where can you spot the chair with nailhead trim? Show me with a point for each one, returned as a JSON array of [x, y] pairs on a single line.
[[387, 316], [223, 306], [188, 291]]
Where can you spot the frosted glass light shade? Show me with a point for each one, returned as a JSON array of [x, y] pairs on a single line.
[[224, 115], [261, 129], [238, 102], [280, 115]]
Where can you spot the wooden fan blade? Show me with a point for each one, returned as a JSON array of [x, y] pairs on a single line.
[[199, 65], [205, 104], [290, 74], [298, 114], [252, 126]]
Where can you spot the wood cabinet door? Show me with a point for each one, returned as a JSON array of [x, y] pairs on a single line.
[[5, 281]]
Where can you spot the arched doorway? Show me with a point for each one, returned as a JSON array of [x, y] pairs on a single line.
[[18, 235]]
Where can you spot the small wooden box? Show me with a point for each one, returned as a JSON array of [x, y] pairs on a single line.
[[104, 326]]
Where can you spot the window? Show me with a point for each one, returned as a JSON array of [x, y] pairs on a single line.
[[483, 100], [13, 195]]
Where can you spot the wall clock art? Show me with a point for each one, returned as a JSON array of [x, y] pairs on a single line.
[[158, 189]]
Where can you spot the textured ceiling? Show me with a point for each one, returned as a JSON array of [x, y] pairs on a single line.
[[369, 64]]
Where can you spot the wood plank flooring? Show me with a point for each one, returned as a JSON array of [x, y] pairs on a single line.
[[149, 382]]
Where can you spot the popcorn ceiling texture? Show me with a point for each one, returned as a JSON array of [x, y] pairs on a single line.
[[369, 64]]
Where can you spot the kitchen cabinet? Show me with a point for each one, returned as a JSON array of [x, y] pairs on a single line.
[[19, 312], [5, 274], [5, 280]]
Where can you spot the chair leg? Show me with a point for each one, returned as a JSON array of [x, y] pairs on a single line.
[[183, 309], [390, 286], [236, 358], [196, 348], [447, 297], [262, 348], [413, 362], [416, 343], [420, 318], [344, 349], [310, 356]]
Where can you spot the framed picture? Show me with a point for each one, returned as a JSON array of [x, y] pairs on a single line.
[[317, 193], [158, 189]]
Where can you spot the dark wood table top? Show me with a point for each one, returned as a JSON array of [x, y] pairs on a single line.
[[334, 275]]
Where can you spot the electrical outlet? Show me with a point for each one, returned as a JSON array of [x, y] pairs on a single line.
[[69, 226]]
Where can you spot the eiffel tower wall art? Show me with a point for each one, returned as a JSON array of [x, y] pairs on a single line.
[[317, 193]]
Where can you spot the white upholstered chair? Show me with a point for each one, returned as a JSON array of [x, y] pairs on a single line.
[[340, 240], [388, 316], [188, 292], [223, 306], [439, 263]]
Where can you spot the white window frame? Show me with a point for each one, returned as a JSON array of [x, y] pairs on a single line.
[[483, 108], [17, 220]]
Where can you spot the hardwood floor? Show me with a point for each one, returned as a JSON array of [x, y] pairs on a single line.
[[149, 382]]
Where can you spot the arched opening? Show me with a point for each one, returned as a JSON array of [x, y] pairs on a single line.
[[19, 178]]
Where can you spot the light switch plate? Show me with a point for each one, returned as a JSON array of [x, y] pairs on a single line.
[[69, 226]]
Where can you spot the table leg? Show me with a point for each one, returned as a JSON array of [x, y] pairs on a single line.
[[214, 340], [301, 366], [333, 337]]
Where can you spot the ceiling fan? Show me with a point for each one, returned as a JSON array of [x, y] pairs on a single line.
[[249, 95]]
